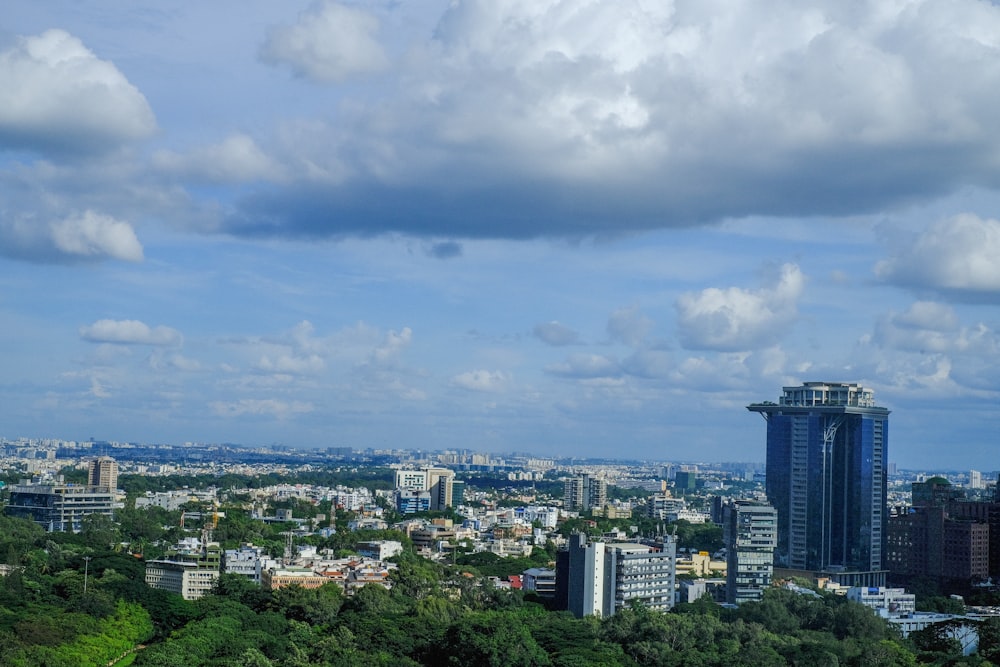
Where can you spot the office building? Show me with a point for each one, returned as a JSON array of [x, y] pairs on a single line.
[[827, 446], [60, 507], [103, 472], [585, 492], [685, 481], [599, 579], [438, 483], [750, 533]]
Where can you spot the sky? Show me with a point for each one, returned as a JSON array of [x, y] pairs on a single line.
[[591, 228]]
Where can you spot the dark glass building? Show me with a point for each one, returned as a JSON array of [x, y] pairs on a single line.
[[827, 448]]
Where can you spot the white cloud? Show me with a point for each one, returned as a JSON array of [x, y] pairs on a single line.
[[130, 332], [555, 333], [90, 236], [237, 159], [481, 380], [934, 328], [96, 236], [329, 43], [588, 117], [56, 96], [736, 319], [960, 254]]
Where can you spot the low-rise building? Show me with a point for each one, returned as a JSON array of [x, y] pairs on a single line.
[[60, 507], [190, 573]]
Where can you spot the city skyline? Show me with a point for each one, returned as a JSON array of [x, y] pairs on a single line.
[[593, 230]]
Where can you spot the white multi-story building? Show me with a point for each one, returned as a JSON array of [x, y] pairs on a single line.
[[599, 578], [247, 561], [885, 601]]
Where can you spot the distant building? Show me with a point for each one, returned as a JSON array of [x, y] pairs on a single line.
[[410, 501], [585, 492], [380, 549], [976, 480], [885, 601], [103, 472], [685, 481], [437, 483], [190, 573], [248, 561], [598, 579], [827, 449], [60, 507], [750, 532], [540, 580], [274, 578]]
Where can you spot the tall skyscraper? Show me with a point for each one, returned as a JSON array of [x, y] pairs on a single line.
[[827, 446]]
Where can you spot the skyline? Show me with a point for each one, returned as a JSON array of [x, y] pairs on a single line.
[[594, 229]]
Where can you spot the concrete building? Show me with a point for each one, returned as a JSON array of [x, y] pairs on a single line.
[[598, 579], [248, 561], [541, 581], [189, 572], [274, 578], [60, 507], [438, 483], [827, 447], [411, 501], [585, 492], [103, 472], [885, 601], [380, 549], [750, 532]]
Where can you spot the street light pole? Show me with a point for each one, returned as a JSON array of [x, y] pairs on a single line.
[[86, 570]]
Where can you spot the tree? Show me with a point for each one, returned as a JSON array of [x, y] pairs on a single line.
[[491, 640]]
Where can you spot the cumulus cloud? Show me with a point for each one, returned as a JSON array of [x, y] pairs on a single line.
[[96, 236], [481, 380], [56, 96], [237, 159], [329, 43], [560, 118], [934, 328], [130, 332], [735, 319], [960, 255], [90, 236], [555, 333]]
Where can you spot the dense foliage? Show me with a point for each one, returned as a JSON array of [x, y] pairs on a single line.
[[436, 615]]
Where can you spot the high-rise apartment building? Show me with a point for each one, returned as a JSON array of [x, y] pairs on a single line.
[[750, 533], [585, 492], [599, 579], [827, 447], [976, 480], [103, 471]]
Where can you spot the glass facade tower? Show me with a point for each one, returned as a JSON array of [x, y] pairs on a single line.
[[827, 448]]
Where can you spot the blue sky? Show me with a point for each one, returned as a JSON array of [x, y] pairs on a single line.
[[571, 228]]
